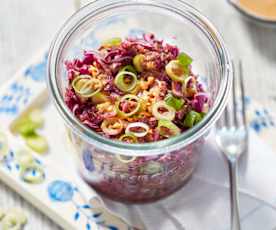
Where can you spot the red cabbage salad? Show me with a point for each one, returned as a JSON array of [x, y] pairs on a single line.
[[135, 90]]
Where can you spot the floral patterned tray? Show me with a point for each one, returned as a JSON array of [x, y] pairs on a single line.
[[62, 195]]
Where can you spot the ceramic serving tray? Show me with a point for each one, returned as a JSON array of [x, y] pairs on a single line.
[[61, 194]]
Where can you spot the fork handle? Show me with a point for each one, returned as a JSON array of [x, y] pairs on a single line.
[[235, 216]]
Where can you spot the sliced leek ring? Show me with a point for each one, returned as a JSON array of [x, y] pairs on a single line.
[[33, 174], [125, 159]]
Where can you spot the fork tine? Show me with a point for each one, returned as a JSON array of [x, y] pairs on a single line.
[[241, 83], [234, 95], [226, 112]]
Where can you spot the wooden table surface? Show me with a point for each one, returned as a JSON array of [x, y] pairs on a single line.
[[26, 26]]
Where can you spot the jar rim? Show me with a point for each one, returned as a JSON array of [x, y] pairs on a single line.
[[151, 148]]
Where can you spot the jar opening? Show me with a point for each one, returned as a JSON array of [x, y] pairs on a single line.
[[176, 7]]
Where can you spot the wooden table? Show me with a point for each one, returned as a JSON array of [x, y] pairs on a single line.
[[26, 26]]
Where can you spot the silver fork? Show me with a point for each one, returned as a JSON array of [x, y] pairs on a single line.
[[232, 139]]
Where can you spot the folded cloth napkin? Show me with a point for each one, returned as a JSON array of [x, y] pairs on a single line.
[[203, 203]]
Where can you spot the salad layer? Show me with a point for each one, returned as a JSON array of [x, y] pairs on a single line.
[[136, 90]]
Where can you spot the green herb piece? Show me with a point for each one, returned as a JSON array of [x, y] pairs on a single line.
[[174, 102], [37, 143], [192, 118]]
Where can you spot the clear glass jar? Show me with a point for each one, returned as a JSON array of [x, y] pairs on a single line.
[[140, 172]]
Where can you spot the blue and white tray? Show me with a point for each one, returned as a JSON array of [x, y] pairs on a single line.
[[62, 196]]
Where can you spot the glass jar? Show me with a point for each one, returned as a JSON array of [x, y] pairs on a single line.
[[140, 172]]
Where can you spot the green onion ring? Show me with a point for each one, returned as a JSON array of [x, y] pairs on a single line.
[[174, 64], [137, 125], [174, 102], [82, 85], [129, 68], [128, 136], [33, 174], [174, 130], [128, 97], [169, 115], [186, 82], [120, 81], [137, 62], [192, 118], [112, 131], [125, 159]]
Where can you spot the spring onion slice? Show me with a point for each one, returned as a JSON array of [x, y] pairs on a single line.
[[167, 128], [129, 138], [185, 86], [169, 114], [99, 98], [12, 222], [33, 174], [129, 68], [86, 86], [137, 62], [139, 125], [185, 61], [128, 97], [27, 124], [112, 126], [37, 143], [4, 148], [174, 102], [120, 81], [19, 214], [192, 118], [125, 159], [116, 41], [175, 71]]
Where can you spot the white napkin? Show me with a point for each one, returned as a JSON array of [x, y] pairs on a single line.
[[203, 203]]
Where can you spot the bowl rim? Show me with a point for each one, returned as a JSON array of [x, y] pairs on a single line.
[[151, 148]]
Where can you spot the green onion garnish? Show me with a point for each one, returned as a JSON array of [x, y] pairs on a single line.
[[128, 98], [112, 126], [163, 111], [129, 138], [86, 86], [185, 61], [99, 98], [142, 129], [129, 68], [167, 128], [14, 219], [137, 62], [37, 143], [27, 124], [192, 118], [175, 71], [174, 102], [33, 174], [126, 81]]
